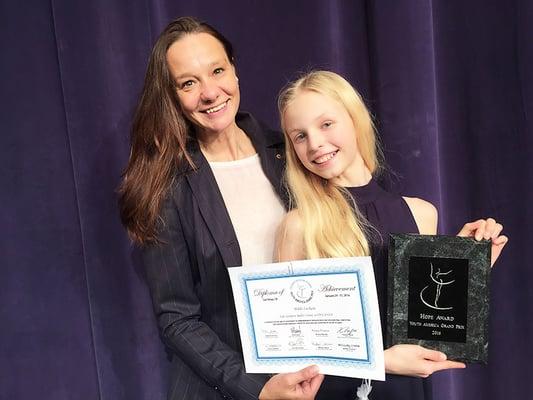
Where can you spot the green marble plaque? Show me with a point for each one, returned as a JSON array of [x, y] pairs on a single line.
[[438, 294]]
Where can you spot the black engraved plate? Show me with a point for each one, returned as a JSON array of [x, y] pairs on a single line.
[[438, 294]]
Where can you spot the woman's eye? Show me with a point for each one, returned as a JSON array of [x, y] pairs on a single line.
[[327, 124], [218, 71], [187, 84]]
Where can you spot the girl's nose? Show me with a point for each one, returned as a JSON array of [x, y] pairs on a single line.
[[314, 141]]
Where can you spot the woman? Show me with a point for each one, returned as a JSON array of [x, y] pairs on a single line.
[[332, 158], [201, 191]]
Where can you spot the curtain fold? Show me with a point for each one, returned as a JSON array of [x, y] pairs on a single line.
[[450, 85]]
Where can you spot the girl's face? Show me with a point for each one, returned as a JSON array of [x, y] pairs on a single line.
[[323, 136], [205, 82]]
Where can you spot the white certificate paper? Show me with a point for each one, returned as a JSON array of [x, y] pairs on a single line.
[[323, 312]]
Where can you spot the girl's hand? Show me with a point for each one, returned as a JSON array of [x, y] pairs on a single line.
[[414, 360], [486, 229]]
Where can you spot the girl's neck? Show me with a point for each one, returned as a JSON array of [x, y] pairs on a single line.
[[357, 175]]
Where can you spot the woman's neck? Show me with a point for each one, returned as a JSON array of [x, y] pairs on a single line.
[[229, 145]]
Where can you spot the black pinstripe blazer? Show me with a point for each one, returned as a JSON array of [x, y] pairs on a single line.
[[188, 278]]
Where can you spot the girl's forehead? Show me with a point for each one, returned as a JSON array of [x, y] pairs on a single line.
[[306, 102]]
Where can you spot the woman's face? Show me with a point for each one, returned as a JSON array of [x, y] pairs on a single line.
[[323, 136], [205, 82]]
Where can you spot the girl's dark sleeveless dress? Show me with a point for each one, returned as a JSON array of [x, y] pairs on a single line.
[[388, 213]]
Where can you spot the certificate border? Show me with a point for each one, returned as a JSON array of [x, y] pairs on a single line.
[[346, 267]]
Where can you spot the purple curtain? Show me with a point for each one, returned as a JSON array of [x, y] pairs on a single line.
[[450, 84]]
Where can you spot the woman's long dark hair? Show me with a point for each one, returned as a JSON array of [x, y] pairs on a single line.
[[159, 135]]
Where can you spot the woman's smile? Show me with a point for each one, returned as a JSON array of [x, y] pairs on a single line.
[[216, 109]]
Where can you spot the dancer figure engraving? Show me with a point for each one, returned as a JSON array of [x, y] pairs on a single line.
[[436, 277]]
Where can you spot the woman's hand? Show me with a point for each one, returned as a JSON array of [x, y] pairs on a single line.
[[414, 360], [300, 385], [486, 229]]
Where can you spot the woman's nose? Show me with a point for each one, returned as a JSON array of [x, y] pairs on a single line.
[[209, 91]]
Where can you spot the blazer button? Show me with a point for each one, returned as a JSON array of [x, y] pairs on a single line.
[[278, 156], [216, 388]]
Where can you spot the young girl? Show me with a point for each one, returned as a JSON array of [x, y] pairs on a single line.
[[341, 211]]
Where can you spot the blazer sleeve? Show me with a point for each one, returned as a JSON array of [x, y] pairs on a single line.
[[177, 307]]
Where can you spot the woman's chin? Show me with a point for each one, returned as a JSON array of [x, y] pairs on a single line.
[[214, 124]]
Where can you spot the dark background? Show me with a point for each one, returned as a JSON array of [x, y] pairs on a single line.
[[450, 83]]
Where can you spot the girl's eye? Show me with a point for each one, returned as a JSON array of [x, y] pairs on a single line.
[[327, 124], [299, 137]]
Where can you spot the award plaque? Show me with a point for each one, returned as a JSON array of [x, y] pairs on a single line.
[[439, 294]]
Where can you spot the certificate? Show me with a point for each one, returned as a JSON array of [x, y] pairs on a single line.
[[299, 313]]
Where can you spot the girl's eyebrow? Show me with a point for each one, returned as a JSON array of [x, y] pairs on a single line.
[[315, 119], [294, 130]]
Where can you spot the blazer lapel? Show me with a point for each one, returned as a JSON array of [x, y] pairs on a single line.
[[213, 210], [273, 163], [269, 144]]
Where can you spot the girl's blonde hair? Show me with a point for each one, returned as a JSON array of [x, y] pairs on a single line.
[[332, 225]]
